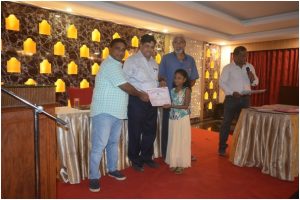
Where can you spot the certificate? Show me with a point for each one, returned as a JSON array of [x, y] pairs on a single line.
[[249, 92], [159, 96]]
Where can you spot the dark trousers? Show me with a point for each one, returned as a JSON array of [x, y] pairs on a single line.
[[142, 125], [165, 132], [232, 107]]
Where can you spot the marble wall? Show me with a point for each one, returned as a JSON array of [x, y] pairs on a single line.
[[30, 17]]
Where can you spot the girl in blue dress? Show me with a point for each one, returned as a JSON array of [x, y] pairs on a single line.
[[179, 141]]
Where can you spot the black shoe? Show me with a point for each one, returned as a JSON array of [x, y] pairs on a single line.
[[152, 164], [117, 175], [222, 153], [137, 167], [94, 185]]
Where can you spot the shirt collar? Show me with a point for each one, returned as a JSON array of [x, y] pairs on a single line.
[[114, 60], [140, 55], [238, 65], [185, 56]]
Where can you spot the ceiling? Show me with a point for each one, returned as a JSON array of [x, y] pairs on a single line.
[[220, 22]]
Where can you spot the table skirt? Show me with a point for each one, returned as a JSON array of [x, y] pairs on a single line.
[[74, 144], [268, 141]]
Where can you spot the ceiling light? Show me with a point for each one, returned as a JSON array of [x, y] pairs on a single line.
[[69, 9], [165, 30]]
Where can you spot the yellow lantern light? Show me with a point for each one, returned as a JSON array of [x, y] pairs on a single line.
[[72, 32], [45, 67], [30, 81], [12, 23], [29, 46], [84, 51], [208, 53], [209, 128], [134, 41], [72, 68], [212, 64], [60, 85], [216, 75], [207, 74], [217, 55], [105, 53], [116, 35], [44, 28], [158, 58], [126, 55], [96, 35], [209, 105], [69, 103], [215, 95], [13, 65], [95, 68], [59, 49], [206, 95], [211, 85], [84, 84]]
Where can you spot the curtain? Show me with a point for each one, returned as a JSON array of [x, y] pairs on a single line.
[[274, 68]]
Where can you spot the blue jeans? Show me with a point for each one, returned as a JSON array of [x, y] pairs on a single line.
[[106, 130]]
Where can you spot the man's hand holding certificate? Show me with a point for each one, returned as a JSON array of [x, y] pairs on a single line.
[[159, 96]]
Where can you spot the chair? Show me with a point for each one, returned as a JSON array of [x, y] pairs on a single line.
[[84, 95]]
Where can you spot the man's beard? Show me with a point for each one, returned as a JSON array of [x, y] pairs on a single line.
[[179, 51]]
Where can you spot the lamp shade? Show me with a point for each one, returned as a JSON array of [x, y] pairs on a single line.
[[84, 51], [84, 84], [96, 35], [45, 67], [59, 49], [12, 23], [95, 68], [60, 85], [44, 28], [72, 68], [13, 65], [72, 32], [29, 46]]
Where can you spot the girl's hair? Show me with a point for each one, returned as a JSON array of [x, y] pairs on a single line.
[[187, 82]]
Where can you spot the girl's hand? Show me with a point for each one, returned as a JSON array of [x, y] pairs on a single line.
[[167, 106]]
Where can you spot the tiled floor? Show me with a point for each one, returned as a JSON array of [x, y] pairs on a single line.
[[211, 125]]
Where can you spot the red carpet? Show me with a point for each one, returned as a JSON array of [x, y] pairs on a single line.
[[209, 177]]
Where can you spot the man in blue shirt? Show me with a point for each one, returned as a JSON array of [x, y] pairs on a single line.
[[169, 64]]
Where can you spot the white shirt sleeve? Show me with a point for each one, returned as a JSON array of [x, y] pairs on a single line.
[[224, 78], [129, 69], [256, 81]]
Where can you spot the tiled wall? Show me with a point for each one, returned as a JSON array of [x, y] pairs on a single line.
[[30, 17]]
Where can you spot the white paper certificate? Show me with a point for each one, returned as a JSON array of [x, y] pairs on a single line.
[[249, 92], [159, 96]]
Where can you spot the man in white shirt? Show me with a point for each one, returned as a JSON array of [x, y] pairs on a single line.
[[141, 71], [236, 81]]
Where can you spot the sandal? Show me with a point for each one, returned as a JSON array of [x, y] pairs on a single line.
[[179, 170], [173, 169]]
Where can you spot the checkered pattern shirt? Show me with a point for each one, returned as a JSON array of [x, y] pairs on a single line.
[[107, 96]]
